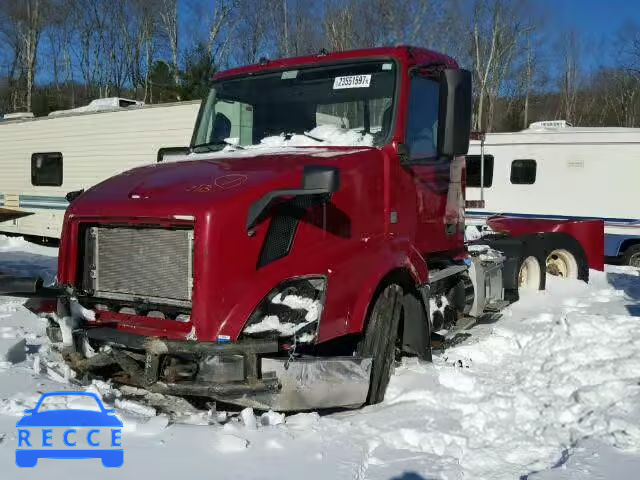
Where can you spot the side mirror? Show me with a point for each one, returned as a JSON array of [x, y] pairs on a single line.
[[71, 196], [454, 124], [168, 153]]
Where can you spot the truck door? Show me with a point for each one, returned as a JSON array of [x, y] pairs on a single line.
[[437, 180]]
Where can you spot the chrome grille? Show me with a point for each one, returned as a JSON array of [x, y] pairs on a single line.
[[152, 264]]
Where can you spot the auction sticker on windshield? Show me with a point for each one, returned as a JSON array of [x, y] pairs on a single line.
[[352, 81]]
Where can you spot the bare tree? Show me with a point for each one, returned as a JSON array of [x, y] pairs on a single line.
[[347, 25], [31, 30], [221, 17], [169, 21], [253, 27], [25, 18], [570, 77], [621, 95], [12, 53], [497, 28]]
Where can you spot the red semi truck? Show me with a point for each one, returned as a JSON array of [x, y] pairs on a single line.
[[305, 242]]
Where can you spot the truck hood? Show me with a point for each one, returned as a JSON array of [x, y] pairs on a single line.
[[213, 177]]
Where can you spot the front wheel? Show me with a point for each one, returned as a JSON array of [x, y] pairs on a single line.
[[380, 338]]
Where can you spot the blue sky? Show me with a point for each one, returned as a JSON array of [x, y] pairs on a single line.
[[595, 18], [596, 21]]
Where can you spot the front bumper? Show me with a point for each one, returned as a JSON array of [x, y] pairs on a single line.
[[264, 382]]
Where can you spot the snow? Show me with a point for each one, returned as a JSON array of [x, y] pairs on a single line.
[[97, 105], [326, 135], [433, 304], [297, 302], [12, 349], [549, 392], [271, 323]]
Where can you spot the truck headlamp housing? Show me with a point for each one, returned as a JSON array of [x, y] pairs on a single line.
[[292, 310]]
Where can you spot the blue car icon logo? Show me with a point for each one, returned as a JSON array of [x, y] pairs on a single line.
[[48, 431]]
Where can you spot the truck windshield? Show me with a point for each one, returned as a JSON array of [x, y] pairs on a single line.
[[336, 105]]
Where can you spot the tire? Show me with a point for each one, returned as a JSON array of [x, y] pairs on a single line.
[[564, 257], [380, 338], [631, 256], [522, 253]]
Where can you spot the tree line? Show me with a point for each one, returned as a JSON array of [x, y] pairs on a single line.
[[59, 54]]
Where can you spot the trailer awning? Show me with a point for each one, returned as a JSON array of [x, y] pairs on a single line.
[[7, 214]]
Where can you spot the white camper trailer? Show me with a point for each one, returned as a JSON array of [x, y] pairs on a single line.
[[44, 158], [553, 170]]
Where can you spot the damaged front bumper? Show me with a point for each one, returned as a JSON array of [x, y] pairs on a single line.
[[246, 373]]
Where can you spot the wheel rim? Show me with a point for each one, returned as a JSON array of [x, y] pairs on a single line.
[[634, 260], [562, 263], [529, 274]]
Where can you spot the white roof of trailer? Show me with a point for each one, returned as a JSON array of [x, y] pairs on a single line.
[[81, 111], [560, 132]]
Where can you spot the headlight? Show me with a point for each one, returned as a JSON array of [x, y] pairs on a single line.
[[291, 310]]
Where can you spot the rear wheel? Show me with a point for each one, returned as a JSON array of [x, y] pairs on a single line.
[[380, 339], [562, 263], [530, 274], [631, 256], [565, 258]]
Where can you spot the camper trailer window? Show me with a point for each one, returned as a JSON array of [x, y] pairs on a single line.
[[523, 172], [474, 172], [46, 169]]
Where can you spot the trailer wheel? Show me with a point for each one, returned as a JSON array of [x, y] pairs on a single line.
[[380, 338], [530, 274], [631, 256], [562, 263], [565, 257]]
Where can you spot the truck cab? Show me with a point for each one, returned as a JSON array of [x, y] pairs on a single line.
[[296, 250]]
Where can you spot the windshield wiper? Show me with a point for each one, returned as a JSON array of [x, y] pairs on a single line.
[[288, 136], [217, 143]]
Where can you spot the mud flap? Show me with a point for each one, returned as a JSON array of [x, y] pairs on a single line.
[[416, 334]]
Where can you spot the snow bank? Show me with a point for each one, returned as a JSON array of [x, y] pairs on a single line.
[[21, 258]]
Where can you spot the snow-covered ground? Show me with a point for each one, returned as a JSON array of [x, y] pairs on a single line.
[[550, 391]]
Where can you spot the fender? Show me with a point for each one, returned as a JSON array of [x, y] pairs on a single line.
[[588, 233], [401, 256]]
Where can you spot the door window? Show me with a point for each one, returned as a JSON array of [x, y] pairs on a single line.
[[422, 124]]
